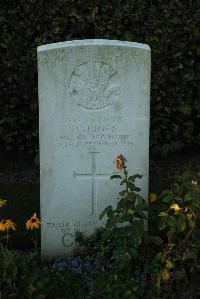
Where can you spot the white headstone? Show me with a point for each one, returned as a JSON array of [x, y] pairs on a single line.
[[94, 98]]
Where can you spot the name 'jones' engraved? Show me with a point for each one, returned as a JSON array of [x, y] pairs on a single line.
[[94, 85]]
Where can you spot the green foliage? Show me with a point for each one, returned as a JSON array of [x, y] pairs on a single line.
[[132, 262], [145, 265], [22, 277], [171, 30]]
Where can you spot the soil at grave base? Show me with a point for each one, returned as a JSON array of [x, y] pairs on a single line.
[[22, 168]]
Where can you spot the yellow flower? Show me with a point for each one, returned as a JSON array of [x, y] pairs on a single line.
[[165, 275], [2, 202], [169, 264], [130, 212], [33, 222], [175, 207], [7, 224], [153, 197], [120, 162]]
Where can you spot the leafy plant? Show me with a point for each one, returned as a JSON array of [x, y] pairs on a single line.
[[122, 259], [142, 264]]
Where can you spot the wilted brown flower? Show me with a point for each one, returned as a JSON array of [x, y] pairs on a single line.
[[120, 162]]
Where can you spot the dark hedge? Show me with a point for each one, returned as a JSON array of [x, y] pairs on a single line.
[[170, 28]]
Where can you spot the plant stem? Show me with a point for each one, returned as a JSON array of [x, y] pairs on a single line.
[[126, 179], [35, 240], [7, 237], [189, 232]]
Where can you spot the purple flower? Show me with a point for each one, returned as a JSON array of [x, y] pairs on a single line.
[[141, 277]]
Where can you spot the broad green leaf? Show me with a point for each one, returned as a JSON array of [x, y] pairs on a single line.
[[163, 214], [166, 192], [188, 197], [179, 275], [171, 221], [168, 198], [115, 176], [122, 182], [131, 196], [157, 240], [122, 193], [133, 252], [133, 177], [141, 206], [107, 211], [162, 224], [196, 196]]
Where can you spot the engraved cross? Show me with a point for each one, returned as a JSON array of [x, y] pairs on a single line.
[[93, 176]]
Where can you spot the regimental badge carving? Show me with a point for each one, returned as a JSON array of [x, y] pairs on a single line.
[[94, 85]]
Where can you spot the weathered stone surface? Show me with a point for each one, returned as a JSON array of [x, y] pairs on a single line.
[[94, 105]]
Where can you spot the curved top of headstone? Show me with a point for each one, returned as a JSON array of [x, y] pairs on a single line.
[[92, 42]]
